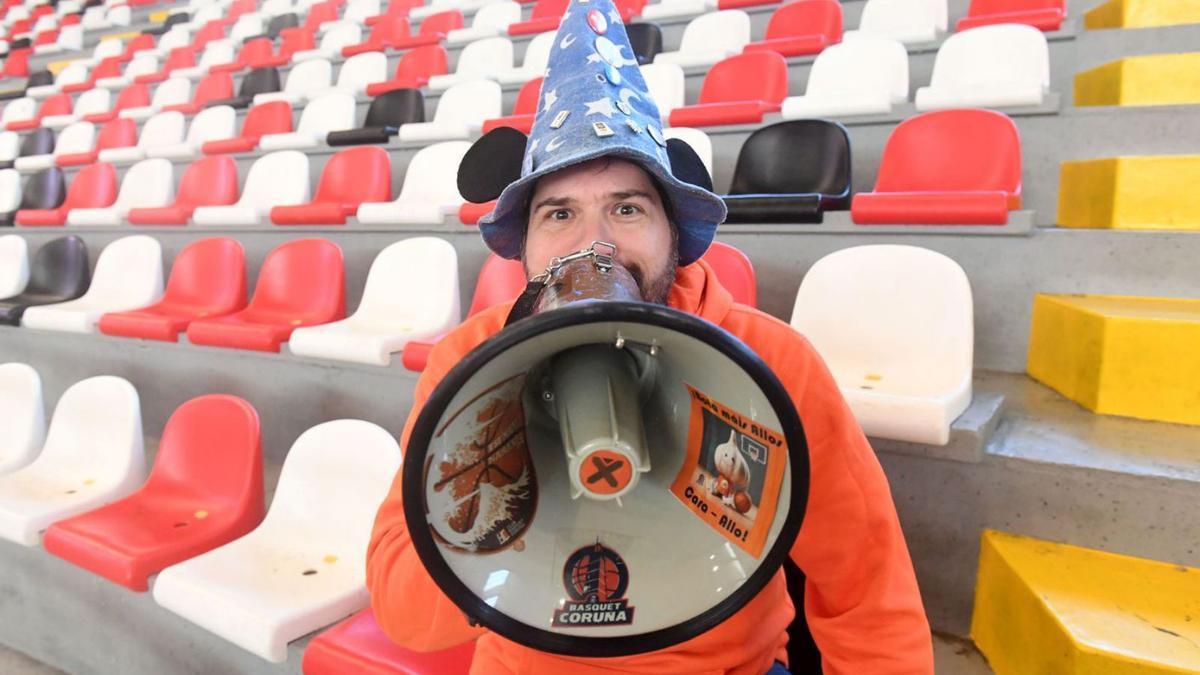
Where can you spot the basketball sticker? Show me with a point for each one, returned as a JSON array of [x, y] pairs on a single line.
[[596, 580]]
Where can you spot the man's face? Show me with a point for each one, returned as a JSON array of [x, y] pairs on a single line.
[[606, 199]]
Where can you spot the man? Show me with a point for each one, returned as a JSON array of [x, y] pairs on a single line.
[[625, 188]]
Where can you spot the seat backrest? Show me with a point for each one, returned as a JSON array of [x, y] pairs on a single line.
[[217, 52], [138, 44], [357, 11], [280, 23], [210, 124], [537, 52], [40, 78], [549, 9], [441, 23], [60, 268], [527, 98], [356, 175], [646, 41], [73, 74], [304, 276], [58, 104], [1003, 54], [273, 117], [208, 273], [95, 432], [319, 14], [19, 109], [417, 65], [277, 179], [331, 112], [109, 67], [755, 76], [362, 69], [255, 51], [866, 63], [23, 411], [214, 87], [497, 14], [172, 92], [500, 280], [388, 29], [309, 76], [94, 187], [666, 84], [45, 189], [14, 262], [10, 191], [414, 282], [93, 101], [117, 133], [149, 183], [144, 64], [724, 30], [901, 308], [735, 272], [40, 141], [164, 128], [339, 35], [259, 81], [486, 56], [295, 40], [952, 150], [208, 181], [10, 145], [134, 96], [794, 157], [75, 138], [806, 17], [245, 27], [432, 175], [468, 102], [174, 39], [987, 7], [396, 107], [180, 57], [127, 269]]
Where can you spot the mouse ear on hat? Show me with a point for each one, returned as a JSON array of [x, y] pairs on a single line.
[[685, 164], [492, 163]]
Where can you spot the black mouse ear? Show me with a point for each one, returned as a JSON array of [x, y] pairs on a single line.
[[686, 164], [492, 163]]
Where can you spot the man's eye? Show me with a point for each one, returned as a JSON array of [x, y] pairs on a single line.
[[628, 210], [560, 214]]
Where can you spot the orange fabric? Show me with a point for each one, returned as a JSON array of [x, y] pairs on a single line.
[[862, 602]]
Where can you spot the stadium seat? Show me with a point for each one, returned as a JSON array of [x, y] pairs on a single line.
[[274, 117], [318, 14], [145, 64], [434, 28], [128, 275], [991, 66], [205, 490], [470, 213], [10, 196], [45, 189], [802, 27], [88, 460], [331, 112], [257, 81], [357, 72], [667, 86], [211, 124], [300, 283], [387, 318], [343, 34], [218, 52], [58, 272], [422, 11], [10, 148], [524, 110], [699, 141], [864, 76], [258, 591], [76, 138], [178, 59], [109, 67], [491, 20], [212, 88], [209, 181], [95, 186], [710, 38], [396, 7], [161, 130], [537, 56], [18, 110], [247, 28], [545, 17], [482, 59], [646, 41], [350, 177], [249, 55], [302, 80], [148, 184], [58, 104], [172, 40], [738, 90], [281, 22], [461, 112], [387, 114], [430, 190], [359, 645], [22, 416], [946, 167], [276, 179], [133, 96], [68, 38], [895, 326], [735, 272], [414, 70], [93, 101], [75, 73], [14, 266], [173, 92], [382, 36], [114, 134], [1045, 15]]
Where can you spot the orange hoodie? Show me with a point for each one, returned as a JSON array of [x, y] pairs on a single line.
[[861, 597]]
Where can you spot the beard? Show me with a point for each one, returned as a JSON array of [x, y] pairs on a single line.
[[656, 287]]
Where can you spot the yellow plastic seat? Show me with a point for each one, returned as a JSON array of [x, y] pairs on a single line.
[[1130, 193]]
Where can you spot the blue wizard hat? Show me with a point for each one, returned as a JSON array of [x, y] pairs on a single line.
[[594, 103]]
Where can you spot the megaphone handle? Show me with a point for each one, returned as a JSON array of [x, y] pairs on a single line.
[[525, 303]]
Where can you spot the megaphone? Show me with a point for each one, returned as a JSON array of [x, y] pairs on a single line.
[[606, 476]]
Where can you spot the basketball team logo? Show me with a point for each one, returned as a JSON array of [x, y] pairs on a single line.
[[596, 580]]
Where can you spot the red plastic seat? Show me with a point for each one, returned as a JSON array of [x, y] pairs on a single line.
[[395, 7], [802, 27], [205, 490], [290, 42], [46, 37], [274, 117], [317, 14], [350, 177], [546, 16], [58, 104], [735, 272], [16, 64], [214, 87], [133, 96], [109, 67], [946, 167], [251, 54], [469, 213], [741, 4], [413, 70], [179, 57], [737, 90], [301, 283], [523, 110], [1044, 15], [117, 133], [358, 645], [95, 186], [213, 30], [208, 278], [139, 43], [500, 281], [209, 181], [386, 33], [237, 10], [433, 30]]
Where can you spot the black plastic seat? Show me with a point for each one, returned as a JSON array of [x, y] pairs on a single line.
[[646, 41], [171, 20], [40, 141], [277, 24], [384, 117], [38, 78], [59, 272], [257, 81], [22, 42], [791, 172], [46, 189]]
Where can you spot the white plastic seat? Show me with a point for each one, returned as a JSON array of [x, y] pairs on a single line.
[[461, 112], [70, 39], [22, 417], [430, 190], [709, 38], [906, 21], [480, 60], [667, 86], [89, 102], [303, 79], [671, 9], [178, 36], [93, 455], [215, 53], [356, 73], [273, 8], [491, 20], [989, 66], [14, 262], [163, 130], [106, 48], [332, 112], [128, 275], [24, 108], [148, 184], [247, 26], [537, 57], [15, 14], [172, 92], [698, 141], [276, 179], [894, 324], [433, 7], [210, 124], [341, 34], [204, 14], [304, 566], [411, 294], [10, 145], [10, 191], [357, 12], [142, 64], [74, 73], [76, 138], [93, 18], [121, 15], [866, 76]]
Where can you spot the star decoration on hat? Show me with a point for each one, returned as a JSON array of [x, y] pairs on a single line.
[[601, 106], [549, 100], [614, 15], [593, 58]]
